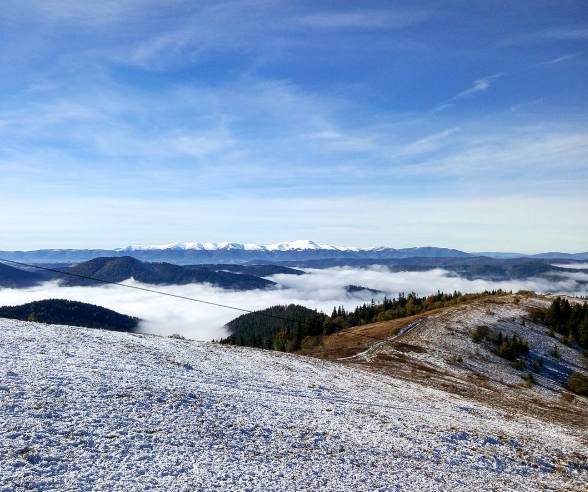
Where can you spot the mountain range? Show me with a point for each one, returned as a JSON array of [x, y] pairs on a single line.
[[120, 269], [238, 253]]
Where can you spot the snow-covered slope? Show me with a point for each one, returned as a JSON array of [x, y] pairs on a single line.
[[91, 410], [443, 343]]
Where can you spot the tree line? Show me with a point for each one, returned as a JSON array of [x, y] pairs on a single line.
[[569, 321], [272, 328]]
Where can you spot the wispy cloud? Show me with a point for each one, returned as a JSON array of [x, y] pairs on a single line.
[[364, 19], [344, 142], [559, 59], [496, 157], [443, 107], [480, 85], [534, 102], [563, 34], [273, 98], [425, 145], [88, 13]]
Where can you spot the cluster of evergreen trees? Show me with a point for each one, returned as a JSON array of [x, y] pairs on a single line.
[[570, 321], [511, 348], [73, 313], [508, 348], [261, 329], [264, 331]]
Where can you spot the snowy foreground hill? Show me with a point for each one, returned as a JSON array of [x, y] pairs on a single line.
[[85, 409]]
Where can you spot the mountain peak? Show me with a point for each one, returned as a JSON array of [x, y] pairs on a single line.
[[297, 245]]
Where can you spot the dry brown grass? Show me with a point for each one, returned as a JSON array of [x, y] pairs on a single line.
[[454, 376], [352, 341]]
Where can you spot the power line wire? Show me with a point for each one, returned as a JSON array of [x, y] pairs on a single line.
[[153, 291]]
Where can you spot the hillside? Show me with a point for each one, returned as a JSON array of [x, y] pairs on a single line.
[[90, 410], [439, 351], [120, 269], [73, 313], [15, 278]]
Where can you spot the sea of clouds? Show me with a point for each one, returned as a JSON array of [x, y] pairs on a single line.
[[320, 289]]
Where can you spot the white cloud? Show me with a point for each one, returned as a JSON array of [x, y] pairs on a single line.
[[559, 59], [86, 13], [480, 85], [364, 19], [534, 102], [343, 142], [425, 145], [580, 276], [576, 266], [548, 35], [443, 107], [519, 151], [319, 289]]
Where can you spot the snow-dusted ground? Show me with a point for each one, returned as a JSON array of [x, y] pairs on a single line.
[[92, 410]]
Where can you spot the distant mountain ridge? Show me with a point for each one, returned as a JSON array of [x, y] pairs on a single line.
[[237, 253], [11, 277], [115, 269]]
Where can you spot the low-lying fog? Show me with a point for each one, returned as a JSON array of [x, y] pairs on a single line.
[[321, 289], [575, 266]]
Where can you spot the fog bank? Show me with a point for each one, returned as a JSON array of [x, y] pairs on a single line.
[[320, 289]]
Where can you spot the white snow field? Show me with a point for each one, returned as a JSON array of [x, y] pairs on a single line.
[[85, 409]]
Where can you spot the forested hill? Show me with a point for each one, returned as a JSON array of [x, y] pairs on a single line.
[[72, 313], [11, 277], [114, 269], [261, 330]]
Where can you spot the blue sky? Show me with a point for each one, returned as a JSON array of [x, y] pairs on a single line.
[[454, 123]]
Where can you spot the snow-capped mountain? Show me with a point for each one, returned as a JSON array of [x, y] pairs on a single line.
[[231, 252], [298, 245]]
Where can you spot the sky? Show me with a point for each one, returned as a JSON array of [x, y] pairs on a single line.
[[319, 289], [445, 123]]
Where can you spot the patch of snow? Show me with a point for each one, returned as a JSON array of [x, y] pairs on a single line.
[[92, 410]]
